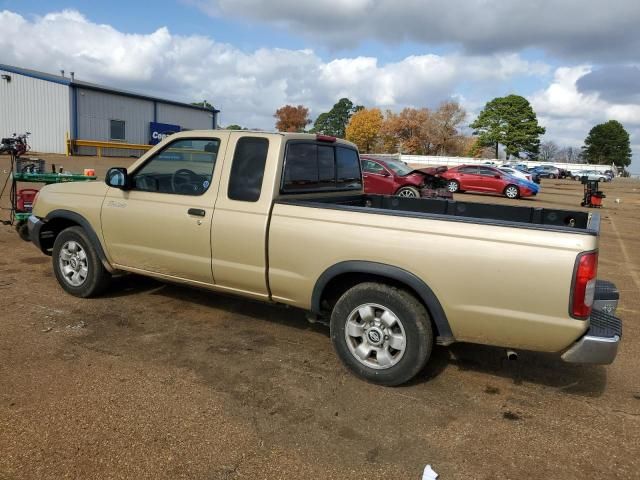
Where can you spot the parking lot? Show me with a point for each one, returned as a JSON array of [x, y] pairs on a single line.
[[161, 381]]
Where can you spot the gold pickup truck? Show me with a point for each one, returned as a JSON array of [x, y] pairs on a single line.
[[283, 218]]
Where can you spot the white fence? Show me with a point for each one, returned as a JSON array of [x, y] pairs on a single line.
[[433, 160]]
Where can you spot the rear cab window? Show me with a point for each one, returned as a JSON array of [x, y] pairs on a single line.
[[320, 167]]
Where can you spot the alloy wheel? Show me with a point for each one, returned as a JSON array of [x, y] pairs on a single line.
[[375, 336], [74, 264]]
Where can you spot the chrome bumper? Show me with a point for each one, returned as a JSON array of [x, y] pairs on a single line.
[[600, 344]]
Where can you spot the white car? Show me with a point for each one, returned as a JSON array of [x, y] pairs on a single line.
[[591, 175], [516, 173]]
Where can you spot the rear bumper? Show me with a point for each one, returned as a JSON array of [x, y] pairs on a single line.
[[35, 225], [600, 344], [606, 297]]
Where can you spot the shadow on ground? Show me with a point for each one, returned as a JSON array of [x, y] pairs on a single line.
[[531, 367]]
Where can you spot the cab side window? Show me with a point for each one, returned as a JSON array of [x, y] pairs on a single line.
[[184, 167], [247, 169]]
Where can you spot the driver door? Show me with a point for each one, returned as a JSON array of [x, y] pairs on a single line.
[[376, 179], [162, 223]]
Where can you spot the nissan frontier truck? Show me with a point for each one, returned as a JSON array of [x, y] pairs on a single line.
[[283, 218]]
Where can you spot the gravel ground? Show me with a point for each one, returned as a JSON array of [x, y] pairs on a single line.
[[160, 381]]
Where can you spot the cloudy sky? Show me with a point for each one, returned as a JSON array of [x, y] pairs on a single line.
[[577, 61]]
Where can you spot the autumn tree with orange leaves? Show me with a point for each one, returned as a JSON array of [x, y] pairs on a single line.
[[292, 119], [420, 131], [410, 131], [364, 128]]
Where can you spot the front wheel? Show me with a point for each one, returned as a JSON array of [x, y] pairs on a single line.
[[410, 192], [511, 191], [453, 186], [381, 333], [76, 264]]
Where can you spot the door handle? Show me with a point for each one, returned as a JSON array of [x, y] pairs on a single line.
[[198, 212]]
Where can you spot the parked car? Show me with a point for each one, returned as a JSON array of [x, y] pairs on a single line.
[[486, 179], [514, 172], [546, 171], [393, 177], [283, 218], [591, 175], [521, 167]]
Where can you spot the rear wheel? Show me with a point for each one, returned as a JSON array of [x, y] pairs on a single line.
[[511, 191], [76, 264], [453, 186], [411, 192], [381, 333]]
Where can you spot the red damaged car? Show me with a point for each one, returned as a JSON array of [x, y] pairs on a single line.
[[393, 177], [486, 179]]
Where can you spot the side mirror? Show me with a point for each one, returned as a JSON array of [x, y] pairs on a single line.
[[385, 173], [497, 176], [117, 177]]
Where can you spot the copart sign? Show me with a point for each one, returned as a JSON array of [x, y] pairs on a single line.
[[160, 131]]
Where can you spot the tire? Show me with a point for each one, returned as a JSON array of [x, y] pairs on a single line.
[[512, 191], [409, 192], [453, 186], [73, 254], [399, 320]]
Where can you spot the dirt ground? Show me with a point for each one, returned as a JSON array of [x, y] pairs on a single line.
[[160, 381]]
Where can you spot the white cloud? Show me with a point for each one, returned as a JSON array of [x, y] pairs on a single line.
[[247, 87], [572, 28], [569, 114]]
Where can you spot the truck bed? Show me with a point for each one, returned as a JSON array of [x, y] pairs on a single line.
[[455, 210]]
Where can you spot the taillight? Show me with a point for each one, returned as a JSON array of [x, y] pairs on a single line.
[[584, 284]]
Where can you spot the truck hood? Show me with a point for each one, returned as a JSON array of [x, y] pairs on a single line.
[[82, 197], [78, 188]]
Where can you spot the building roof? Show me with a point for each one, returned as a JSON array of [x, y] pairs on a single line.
[[92, 86]]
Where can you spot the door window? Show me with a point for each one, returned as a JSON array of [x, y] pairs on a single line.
[[372, 167], [487, 172], [469, 170], [184, 167]]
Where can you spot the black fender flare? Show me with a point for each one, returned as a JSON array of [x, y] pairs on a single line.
[[84, 223], [395, 273]]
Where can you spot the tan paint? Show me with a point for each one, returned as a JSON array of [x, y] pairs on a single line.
[[497, 285]]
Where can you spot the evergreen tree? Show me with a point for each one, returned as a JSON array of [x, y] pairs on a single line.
[[608, 143], [509, 121]]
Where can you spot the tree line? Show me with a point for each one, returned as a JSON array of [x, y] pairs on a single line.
[[508, 122]]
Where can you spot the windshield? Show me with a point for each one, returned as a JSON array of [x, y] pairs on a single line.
[[398, 167]]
